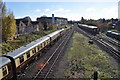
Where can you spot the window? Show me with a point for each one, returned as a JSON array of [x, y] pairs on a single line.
[[47, 41], [38, 47], [28, 54], [34, 50], [4, 71], [41, 45], [9, 68], [44, 43], [21, 59]]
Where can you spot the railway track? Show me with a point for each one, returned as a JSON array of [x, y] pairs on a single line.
[[114, 43], [103, 44], [110, 49], [34, 67], [44, 72]]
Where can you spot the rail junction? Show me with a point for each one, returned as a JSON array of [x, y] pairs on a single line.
[[42, 66]]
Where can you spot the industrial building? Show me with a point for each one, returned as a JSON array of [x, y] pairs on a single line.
[[58, 21]]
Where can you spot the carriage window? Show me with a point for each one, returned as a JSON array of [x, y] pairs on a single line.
[[9, 67], [4, 71], [34, 50], [28, 54], [47, 41], [44, 43], [38, 47], [41, 45], [21, 59]]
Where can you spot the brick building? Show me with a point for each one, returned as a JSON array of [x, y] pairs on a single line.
[[25, 25]]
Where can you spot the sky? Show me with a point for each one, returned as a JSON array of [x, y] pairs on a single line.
[[70, 10]]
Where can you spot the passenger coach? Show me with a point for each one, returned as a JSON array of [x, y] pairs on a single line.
[[25, 54], [91, 29]]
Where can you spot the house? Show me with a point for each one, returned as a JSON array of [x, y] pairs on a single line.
[[20, 26], [26, 25], [36, 26]]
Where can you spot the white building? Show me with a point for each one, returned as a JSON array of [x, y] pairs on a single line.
[[119, 10]]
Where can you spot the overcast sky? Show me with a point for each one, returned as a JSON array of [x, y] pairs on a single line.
[[71, 10]]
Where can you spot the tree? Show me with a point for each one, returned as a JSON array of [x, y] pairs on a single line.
[[82, 20], [44, 22], [51, 26], [91, 22], [8, 24], [103, 20], [3, 9]]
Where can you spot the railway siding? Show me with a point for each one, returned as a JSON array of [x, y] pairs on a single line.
[[83, 59]]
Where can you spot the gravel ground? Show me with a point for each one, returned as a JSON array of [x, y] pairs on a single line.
[[58, 71]]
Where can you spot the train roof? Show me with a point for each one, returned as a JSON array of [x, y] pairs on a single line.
[[20, 51], [113, 32], [83, 25], [93, 26], [54, 33], [3, 61], [88, 26]]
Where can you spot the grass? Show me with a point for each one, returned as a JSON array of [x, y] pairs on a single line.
[[116, 31], [84, 59]]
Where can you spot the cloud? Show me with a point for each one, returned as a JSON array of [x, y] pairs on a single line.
[[61, 10], [68, 10], [96, 13], [37, 10], [110, 10], [46, 10], [90, 9], [17, 17]]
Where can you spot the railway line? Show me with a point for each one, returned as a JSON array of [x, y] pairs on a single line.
[[49, 64], [42, 67], [114, 43], [104, 44]]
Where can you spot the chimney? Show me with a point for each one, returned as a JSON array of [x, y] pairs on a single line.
[[53, 19]]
